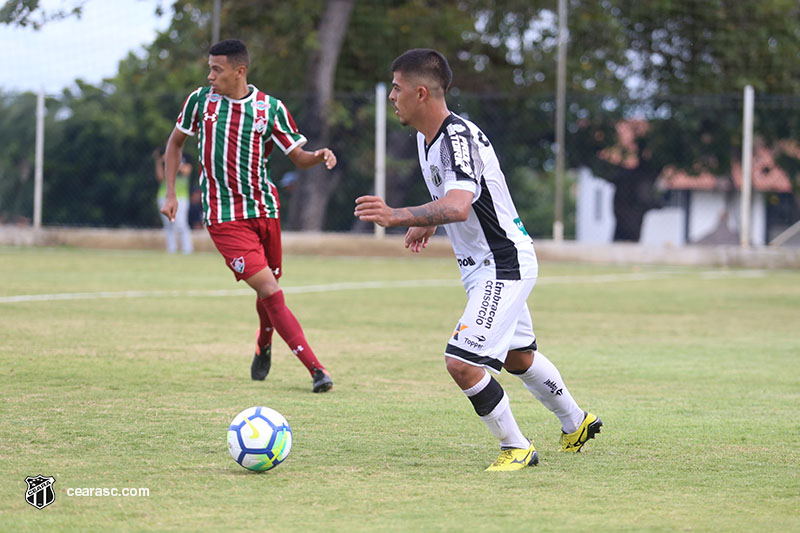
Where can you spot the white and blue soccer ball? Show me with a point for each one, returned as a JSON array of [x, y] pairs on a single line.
[[259, 438]]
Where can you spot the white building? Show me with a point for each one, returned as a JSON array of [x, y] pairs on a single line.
[[594, 206]]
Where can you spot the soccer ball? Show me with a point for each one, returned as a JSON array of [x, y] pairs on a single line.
[[259, 438]]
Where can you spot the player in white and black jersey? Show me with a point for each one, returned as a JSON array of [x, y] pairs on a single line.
[[494, 252], [491, 242]]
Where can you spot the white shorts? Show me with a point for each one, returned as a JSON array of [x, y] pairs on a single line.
[[495, 321]]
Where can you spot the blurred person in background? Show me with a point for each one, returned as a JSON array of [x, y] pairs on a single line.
[[195, 207], [237, 127], [179, 227]]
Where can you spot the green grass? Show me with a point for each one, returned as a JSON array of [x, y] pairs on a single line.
[[696, 376]]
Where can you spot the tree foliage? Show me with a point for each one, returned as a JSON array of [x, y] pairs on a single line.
[[679, 64], [682, 68], [16, 157], [30, 13]]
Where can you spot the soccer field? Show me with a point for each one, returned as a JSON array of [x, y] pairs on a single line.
[[127, 367]]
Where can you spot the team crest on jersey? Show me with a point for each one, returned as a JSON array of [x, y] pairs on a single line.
[[210, 117], [436, 177], [261, 124], [261, 105], [214, 97], [238, 265]]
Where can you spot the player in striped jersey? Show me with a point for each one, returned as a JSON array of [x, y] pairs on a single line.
[[494, 252], [237, 127]]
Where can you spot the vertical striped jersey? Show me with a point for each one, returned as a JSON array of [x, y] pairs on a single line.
[[492, 243], [234, 141]]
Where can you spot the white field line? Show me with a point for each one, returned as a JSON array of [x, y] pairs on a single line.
[[362, 285]]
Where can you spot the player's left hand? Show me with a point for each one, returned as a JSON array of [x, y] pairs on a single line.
[[417, 237], [328, 157], [373, 209]]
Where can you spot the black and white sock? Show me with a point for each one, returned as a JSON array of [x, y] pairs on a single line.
[[491, 403]]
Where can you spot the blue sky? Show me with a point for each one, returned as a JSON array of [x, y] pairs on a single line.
[[89, 48]]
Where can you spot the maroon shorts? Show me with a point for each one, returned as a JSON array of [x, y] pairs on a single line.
[[249, 246]]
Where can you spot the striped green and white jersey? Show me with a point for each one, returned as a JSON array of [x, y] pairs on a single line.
[[234, 141]]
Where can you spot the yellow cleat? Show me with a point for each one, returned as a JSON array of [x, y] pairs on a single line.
[[514, 459], [573, 442]]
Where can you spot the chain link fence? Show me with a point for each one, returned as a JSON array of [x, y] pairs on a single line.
[[662, 172]]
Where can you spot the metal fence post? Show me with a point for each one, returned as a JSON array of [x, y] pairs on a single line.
[[561, 76], [380, 149], [747, 167], [39, 161]]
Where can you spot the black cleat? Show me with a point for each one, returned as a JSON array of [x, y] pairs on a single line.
[[322, 380], [262, 361]]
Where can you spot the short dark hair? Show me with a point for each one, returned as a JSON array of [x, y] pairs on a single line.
[[234, 49], [427, 63]]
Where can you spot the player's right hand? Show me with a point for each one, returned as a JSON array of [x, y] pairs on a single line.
[[373, 209], [170, 208]]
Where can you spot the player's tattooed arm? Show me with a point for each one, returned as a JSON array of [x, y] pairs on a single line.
[[430, 214], [454, 207]]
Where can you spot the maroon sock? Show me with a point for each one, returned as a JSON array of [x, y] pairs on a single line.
[[265, 328], [290, 330]]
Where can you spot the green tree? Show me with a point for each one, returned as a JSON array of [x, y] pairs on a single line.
[[683, 69], [17, 134], [30, 13], [626, 59]]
